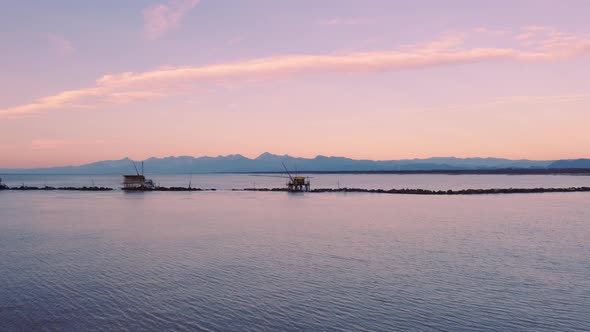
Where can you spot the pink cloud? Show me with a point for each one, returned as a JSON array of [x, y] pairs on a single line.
[[161, 18], [345, 21], [132, 96], [496, 32], [448, 50], [58, 43], [525, 35]]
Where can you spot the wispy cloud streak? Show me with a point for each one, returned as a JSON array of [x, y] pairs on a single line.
[[161, 18], [345, 21], [58, 43], [446, 51]]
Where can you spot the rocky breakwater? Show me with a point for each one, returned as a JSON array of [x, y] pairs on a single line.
[[435, 192], [457, 192], [48, 188], [179, 189]]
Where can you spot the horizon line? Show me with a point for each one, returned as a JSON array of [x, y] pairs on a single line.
[[289, 156]]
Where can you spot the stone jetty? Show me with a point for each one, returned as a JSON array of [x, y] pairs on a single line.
[[329, 190], [49, 188], [180, 189], [437, 192]]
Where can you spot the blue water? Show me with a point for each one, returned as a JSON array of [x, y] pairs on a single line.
[[256, 261]]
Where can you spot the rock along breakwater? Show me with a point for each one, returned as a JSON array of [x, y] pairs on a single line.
[[326, 190], [437, 192]]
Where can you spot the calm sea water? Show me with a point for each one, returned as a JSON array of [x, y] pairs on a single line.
[[374, 181], [256, 261]]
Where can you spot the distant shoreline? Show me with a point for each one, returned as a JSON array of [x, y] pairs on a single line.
[[498, 171]]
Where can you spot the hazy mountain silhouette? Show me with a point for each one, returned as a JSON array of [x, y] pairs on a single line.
[[268, 162], [572, 163]]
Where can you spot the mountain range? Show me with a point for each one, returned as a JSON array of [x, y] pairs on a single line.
[[268, 162]]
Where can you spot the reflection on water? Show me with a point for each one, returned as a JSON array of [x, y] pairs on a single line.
[[277, 261]]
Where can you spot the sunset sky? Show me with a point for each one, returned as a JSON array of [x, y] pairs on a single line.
[[83, 81]]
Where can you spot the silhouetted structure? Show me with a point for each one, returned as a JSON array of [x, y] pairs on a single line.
[[137, 182], [297, 183]]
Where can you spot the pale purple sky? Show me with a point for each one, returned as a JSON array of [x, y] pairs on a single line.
[[379, 79]]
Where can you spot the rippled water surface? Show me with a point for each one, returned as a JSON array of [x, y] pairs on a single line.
[[78, 261]]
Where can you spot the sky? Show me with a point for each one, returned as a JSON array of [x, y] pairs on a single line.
[[83, 81]]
